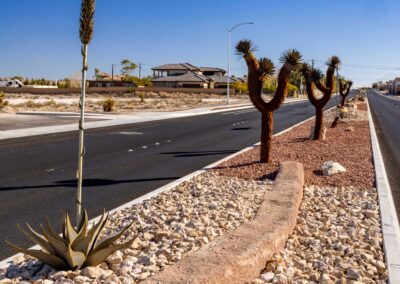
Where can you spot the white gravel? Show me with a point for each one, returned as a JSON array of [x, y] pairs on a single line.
[[337, 239], [165, 228]]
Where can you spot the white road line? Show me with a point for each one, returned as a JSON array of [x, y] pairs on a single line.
[[130, 133], [239, 112]]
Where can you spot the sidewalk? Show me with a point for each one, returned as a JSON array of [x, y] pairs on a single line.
[[56, 122]]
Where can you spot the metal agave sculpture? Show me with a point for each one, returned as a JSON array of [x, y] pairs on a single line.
[[344, 89], [75, 248], [258, 71], [313, 77]]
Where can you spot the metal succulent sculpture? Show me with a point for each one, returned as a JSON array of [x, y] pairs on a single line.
[[258, 71], [313, 77], [344, 89], [75, 248]]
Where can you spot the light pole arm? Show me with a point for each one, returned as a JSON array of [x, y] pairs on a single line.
[[241, 24], [229, 59]]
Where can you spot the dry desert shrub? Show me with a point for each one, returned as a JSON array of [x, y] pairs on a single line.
[[109, 105]]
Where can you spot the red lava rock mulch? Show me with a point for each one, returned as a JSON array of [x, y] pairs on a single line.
[[352, 149], [362, 106]]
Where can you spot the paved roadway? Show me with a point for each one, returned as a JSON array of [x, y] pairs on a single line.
[[386, 114], [37, 174]]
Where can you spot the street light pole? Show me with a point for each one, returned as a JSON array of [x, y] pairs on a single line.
[[229, 59]]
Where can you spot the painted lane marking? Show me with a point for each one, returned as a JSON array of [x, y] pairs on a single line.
[[130, 133]]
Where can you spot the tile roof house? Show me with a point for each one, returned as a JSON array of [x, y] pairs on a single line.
[[104, 79], [186, 75]]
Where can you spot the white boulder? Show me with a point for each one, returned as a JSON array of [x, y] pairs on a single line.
[[330, 168]]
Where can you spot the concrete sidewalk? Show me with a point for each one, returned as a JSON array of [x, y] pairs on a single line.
[[56, 122]]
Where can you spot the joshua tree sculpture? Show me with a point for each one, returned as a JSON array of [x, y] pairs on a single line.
[[314, 77], [86, 34], [344, 88], [258, 71]]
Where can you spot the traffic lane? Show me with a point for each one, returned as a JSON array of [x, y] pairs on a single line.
[[386, 117], [118, 175]]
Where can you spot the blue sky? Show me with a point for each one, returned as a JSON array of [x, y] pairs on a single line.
[[40, 38]]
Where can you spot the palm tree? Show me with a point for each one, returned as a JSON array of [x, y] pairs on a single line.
[[313, 77], [86, 34], [258, 71], [344, 89]]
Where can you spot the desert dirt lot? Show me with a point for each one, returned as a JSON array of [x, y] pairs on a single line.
[[124, 103]]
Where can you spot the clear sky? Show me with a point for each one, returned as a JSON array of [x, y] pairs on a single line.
[[39, 38]]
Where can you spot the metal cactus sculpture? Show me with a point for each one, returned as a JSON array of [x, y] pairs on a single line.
[[344, 89], [75, 248], [313, 77], [85, 34], [258, 71]]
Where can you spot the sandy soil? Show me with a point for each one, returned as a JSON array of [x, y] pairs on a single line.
[[123, 103]]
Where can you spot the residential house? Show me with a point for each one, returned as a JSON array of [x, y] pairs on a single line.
[[394, 86], [104, 80], [186, 75]]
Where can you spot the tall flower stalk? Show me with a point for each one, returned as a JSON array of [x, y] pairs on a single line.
[[85, 34]]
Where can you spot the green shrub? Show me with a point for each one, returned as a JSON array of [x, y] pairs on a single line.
[[141, 96], [109, 105], [361, 98]]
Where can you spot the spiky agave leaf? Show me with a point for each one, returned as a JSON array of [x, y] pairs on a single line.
[[244, 47], [37, 238], [291, 57], [88, 242], [87, 21], [101, 255], [316, 75], [267, 67], [68, 229], [333, 61], [50, 259], [108, 241], [73, 251], [75, 259]]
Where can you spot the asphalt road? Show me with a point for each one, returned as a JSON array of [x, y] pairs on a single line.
[[386, 115], [37, 174]]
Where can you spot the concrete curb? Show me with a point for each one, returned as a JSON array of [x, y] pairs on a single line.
[[6, 262], [389, 219], [239, 256]]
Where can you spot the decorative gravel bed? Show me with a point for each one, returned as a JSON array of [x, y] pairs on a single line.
[[166, 228], [338, 236], [348, 144], [337, 239]]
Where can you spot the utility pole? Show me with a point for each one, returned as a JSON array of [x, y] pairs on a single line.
[[312, 63], [337, 82], [112, 72], [140, 70]]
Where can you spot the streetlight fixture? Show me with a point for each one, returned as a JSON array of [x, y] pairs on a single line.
[[229, 58]]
